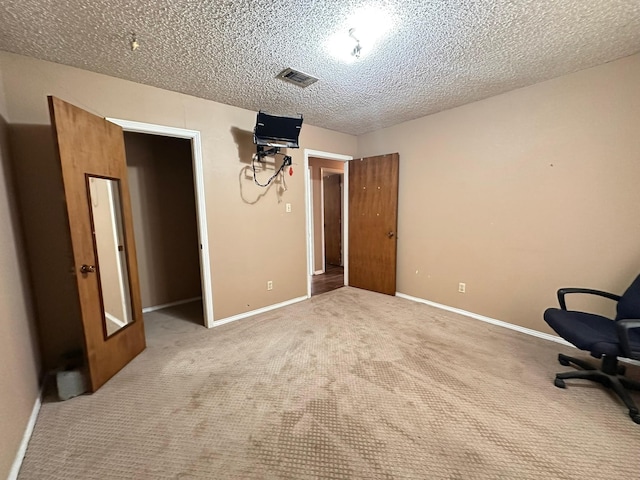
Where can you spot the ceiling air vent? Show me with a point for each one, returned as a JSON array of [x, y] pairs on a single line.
[[297, 78]]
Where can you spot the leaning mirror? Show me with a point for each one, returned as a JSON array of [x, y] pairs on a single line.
[[109, 245]]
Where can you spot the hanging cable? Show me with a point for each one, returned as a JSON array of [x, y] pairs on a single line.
[[285, 162]]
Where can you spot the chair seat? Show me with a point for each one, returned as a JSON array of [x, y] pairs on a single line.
[[587, 331]]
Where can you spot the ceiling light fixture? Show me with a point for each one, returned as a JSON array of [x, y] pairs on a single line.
[[357, 48], [360, 32], [134, 42]]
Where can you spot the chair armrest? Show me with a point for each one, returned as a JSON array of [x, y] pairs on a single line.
[[563, 291], [623, 327]]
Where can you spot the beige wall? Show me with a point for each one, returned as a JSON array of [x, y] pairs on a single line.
[[3, 98], [41, 201], [164, 217], [317, 164], [520, 194], [18, 346], [515, 195], [252, 239]]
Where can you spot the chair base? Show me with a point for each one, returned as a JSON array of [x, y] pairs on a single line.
[[611, 375]]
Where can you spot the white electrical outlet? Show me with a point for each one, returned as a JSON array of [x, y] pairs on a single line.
[[269, 285], [462, 287], [288, 207]]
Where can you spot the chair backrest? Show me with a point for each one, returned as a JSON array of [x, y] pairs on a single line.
[[629, 304]]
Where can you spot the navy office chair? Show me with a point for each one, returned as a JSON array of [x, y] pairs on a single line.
[[603, 338]]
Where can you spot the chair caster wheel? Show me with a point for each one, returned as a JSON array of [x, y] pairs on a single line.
[[563, 361], [558, 382], [635, 417]]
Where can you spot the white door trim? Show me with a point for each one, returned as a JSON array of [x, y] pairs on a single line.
[[345, 209], [321, 226], [198, 177], [312, 227]]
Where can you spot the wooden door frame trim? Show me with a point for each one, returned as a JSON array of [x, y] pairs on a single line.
[[308, 204], [198, 174]]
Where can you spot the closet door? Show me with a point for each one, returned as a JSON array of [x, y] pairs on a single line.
[[92, 157]]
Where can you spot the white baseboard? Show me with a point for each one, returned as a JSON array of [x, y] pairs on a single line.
[[318, 272], [172, 304], [240, 316], [500, 323], [22, 450], [493, 321]]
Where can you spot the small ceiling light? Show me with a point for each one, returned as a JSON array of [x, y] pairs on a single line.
[[361, 31], [134, 43], [357, 48]]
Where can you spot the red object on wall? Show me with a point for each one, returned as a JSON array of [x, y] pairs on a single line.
[[290, 171]]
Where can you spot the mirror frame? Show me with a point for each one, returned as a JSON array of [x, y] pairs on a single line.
[[132, 321]]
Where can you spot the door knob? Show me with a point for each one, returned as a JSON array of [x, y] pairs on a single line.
[[88, 269], [390, 234]]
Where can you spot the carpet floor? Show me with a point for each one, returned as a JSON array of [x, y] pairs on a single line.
[[349, 384]]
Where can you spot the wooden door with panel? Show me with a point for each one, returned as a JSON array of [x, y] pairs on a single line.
[[92, 157], [373, 221]]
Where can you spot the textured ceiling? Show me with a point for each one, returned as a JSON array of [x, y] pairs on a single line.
[[437, 55]]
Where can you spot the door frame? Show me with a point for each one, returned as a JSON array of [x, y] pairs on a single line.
[[198, 179], [312, 240], [308, 208], [342, 200]]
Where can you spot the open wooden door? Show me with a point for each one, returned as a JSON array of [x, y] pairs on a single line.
[[373, 220], [333, 219], [92, 156]]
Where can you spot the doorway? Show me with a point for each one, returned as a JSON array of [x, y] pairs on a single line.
[[164, 220], [370, 240], [332, 201], [326, 270], [200, 237]]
